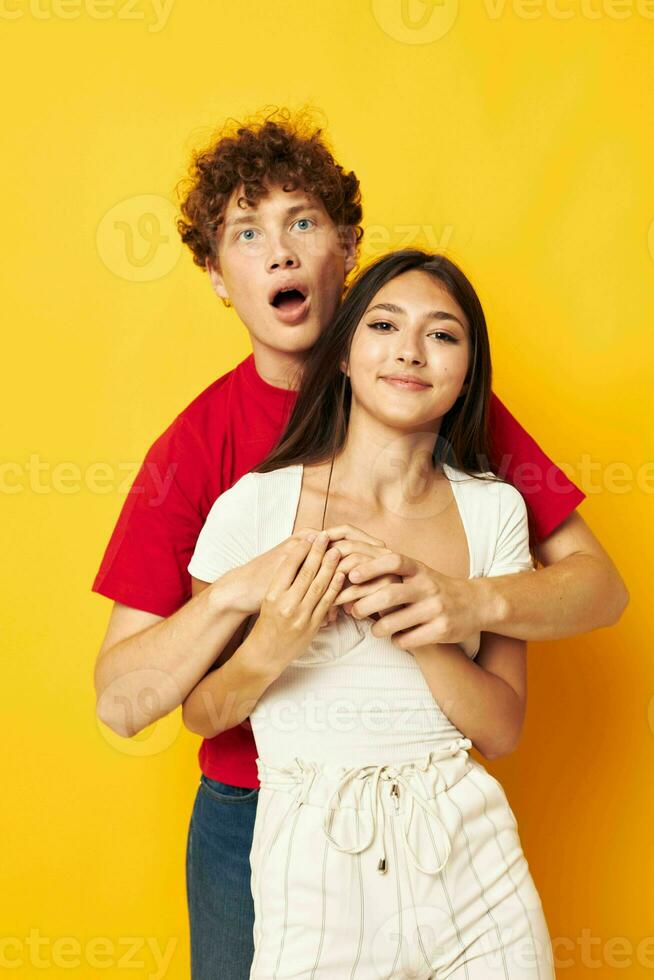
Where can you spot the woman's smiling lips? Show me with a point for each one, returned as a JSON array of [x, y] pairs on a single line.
[[406, 381]]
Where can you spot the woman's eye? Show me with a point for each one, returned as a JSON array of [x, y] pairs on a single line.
[[304, 223], [380, 323], [444, 336], [250, 232]]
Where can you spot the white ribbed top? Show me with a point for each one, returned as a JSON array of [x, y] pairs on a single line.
[[353, 698]]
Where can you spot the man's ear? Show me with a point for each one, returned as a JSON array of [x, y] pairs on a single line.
[[349, 240], [217, 281]]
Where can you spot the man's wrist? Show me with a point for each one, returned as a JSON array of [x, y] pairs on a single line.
[[491, 603], [227, 594]]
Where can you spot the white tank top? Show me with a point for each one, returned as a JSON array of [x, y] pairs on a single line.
[[352, 698]]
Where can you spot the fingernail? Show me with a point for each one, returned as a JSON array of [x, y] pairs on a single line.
[[312, 536]]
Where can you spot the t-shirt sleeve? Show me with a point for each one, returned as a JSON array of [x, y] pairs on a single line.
[[511, 552], [145, 562], [228, 537], [517, 458]]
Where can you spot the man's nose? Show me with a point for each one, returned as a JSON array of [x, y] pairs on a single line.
[[282, 256]]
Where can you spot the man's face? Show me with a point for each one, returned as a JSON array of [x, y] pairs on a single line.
[[285, 242]]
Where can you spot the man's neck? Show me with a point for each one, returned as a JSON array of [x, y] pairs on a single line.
[[278, 368]]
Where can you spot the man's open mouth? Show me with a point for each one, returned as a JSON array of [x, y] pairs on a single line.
[[291, 304], [288, 299]]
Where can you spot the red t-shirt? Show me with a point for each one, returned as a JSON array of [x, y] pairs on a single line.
[[223, 434]]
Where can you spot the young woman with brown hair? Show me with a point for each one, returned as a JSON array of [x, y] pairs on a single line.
[[380, 846]]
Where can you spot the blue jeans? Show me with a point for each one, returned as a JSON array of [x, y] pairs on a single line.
[[221, 910]]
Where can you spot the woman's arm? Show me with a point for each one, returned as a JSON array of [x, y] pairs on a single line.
[[294, 607], [484, 698], [229, 692]]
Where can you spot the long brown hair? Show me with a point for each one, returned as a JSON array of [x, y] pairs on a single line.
[[318, 424]]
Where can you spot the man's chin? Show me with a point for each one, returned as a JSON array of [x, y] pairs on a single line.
[[289, 340]]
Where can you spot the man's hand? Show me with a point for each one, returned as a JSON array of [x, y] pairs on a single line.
[[422, 605]]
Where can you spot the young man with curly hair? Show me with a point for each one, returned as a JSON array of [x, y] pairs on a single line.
[[275, 221]]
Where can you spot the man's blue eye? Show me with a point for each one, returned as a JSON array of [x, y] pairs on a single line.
[[307, 222], [247, 231]]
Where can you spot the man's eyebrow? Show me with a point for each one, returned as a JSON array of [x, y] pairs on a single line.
[[433, 315], [308, 206], [246, 219]]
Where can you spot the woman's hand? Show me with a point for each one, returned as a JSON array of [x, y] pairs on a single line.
[[305, 585], [357, 551], [251, 581]]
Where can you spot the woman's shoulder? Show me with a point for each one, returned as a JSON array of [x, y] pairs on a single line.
[[276, 491], [254, 477], [277, 478], [485, 486]]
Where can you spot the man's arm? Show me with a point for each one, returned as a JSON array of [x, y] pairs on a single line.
[[147, 665], [579, 589]]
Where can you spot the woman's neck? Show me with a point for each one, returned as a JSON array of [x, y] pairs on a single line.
[[390, 471]]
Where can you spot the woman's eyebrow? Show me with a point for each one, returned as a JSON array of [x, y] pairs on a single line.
[[433, 315]]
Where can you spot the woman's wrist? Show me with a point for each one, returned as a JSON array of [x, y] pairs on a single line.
[[258, 657]]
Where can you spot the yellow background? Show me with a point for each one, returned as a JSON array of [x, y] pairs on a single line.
[[513, 134]]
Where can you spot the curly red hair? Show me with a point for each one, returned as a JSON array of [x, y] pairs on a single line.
[[281, 148]]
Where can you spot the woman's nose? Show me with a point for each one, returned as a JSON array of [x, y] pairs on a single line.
[[408, 355]]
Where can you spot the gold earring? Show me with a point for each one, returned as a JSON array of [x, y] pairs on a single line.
[[226, 302]]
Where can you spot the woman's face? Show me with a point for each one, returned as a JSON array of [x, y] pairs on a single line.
[[411, 327]]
